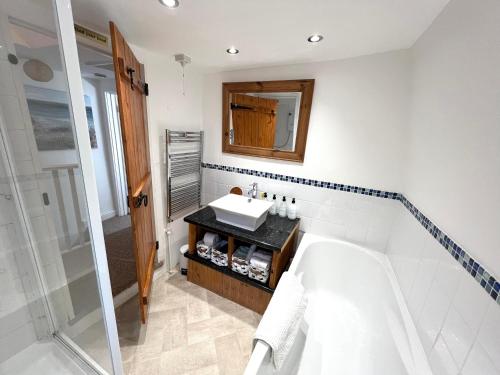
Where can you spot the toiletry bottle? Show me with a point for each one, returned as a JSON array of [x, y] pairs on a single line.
[[282, 211], [274, 207], [292, 210], [264, 196]]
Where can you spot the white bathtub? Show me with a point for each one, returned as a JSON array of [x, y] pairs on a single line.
[[356, 322]]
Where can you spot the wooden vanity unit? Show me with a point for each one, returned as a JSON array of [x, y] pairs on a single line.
[[277, 235]]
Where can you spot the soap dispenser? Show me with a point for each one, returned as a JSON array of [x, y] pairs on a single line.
[[282, 211], [292, 210], [274, 208]]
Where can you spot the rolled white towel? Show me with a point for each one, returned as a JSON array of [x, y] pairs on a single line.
[[210, 239], [257, 262], [261, 259], [280, 324], [262, 256], [252, 250]]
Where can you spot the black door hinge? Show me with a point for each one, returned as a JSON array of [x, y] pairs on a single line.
[[157, 245], [146, 89]]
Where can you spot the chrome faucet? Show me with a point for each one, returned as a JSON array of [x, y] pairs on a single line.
[[253, 191]]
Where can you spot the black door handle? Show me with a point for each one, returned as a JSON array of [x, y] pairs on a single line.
[[142, 198], [130, 73]]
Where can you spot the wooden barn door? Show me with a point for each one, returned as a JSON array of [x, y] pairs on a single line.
[[132, 91]]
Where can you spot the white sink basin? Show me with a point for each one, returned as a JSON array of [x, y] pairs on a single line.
[[241, 211]]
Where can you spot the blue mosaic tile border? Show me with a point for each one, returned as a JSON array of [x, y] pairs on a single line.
[[305, 181], [474, 268]]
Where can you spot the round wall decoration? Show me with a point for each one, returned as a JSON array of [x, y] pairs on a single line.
[[38, 71]]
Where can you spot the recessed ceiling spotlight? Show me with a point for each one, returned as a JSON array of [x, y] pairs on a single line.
[[170, 3], [315, 38], [232, 51]]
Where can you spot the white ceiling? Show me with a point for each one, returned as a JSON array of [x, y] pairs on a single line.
[[267, 32]]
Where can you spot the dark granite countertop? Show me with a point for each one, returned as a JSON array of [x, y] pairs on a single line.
[[271, 235]]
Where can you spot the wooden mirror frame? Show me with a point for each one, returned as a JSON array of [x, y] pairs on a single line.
[[304, 86]]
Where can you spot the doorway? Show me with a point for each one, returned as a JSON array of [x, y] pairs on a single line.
[[98, 78]]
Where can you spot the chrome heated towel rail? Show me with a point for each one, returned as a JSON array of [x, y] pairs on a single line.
[[184, 151]]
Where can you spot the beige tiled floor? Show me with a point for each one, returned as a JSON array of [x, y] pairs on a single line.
[[190, 331]]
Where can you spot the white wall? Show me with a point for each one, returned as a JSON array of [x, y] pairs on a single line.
[[453, 169], [357, 124], [453, 177], [100, 155], [357, 130], [106, 175], [168, 109]]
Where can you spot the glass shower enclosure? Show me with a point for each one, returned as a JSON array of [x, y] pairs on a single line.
[[56, 307]]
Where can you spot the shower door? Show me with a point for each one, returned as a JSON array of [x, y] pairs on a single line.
[[47, 182]]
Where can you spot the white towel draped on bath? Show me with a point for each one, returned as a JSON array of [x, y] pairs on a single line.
[[281, 321]]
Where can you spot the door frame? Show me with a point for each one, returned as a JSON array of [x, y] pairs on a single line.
[[64, 17]]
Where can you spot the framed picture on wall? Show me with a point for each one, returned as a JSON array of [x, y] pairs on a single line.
[[51, 119]]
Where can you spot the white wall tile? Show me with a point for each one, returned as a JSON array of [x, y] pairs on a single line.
[[209, 187], [7, 86], [11, 112], [305, 224], [357, 227], [458, 336], [489, 333], [327, 228], [448, 271], [478, 362], [441, 361], [308, 209], [16, 318], [19, 144], [222, 189], [405, 250], [178, 237], [33, 203], [434, 311], [3, 51], [378, 233], [471, 301], [228, 178], [421, 286], [361, 219], [406, 268], [16, 340]]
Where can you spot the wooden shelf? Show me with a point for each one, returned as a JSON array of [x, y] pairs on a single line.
[[228, 271], [233, 285]]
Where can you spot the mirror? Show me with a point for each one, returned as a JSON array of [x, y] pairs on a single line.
[[267, 119]]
